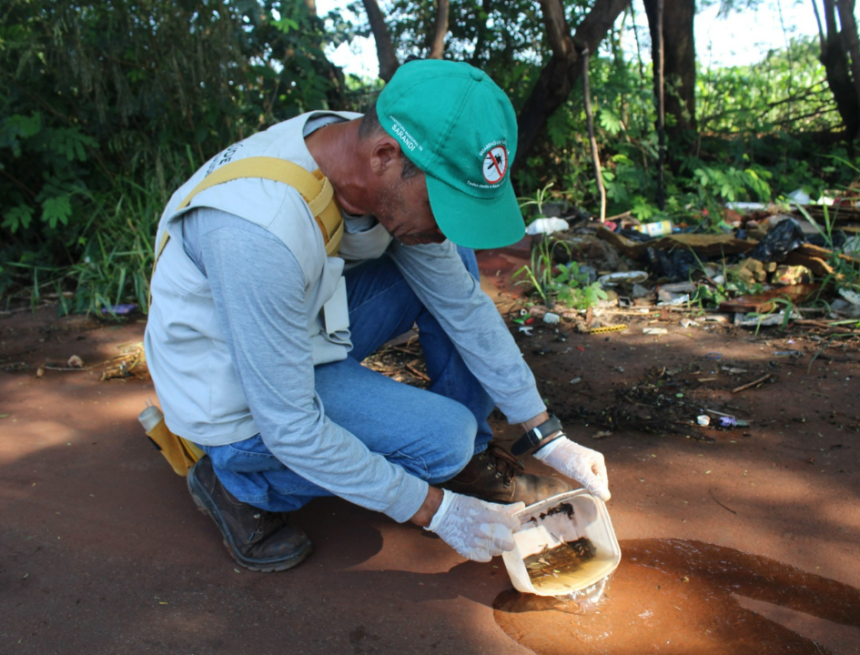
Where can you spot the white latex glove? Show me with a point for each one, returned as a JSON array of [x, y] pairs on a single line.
[[584, 465], [476, 529]]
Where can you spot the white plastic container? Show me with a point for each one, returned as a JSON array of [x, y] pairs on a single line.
[[548, 524]]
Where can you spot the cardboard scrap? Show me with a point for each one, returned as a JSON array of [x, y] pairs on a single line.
[[708, 245]]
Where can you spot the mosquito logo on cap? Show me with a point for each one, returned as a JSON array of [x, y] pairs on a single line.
[[495, 164]]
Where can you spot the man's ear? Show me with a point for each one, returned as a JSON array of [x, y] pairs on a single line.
[[385, 154]]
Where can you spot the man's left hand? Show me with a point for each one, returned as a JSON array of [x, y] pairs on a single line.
[[584, 465]]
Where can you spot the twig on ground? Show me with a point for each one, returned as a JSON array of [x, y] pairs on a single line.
[[743, 387], [711, 491]]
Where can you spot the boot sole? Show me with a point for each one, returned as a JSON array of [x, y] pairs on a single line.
[[200, 497]]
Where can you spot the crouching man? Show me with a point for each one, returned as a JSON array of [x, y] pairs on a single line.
[[294, 254]]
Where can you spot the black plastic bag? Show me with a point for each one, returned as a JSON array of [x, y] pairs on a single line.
[[677, 264], [780, 240]]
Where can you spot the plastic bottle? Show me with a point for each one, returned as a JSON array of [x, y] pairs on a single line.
[[150, 417]]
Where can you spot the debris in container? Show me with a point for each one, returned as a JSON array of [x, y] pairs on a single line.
[[565, 558]]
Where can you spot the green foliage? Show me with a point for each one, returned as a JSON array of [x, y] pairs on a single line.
[[562, 283], [96, 97]]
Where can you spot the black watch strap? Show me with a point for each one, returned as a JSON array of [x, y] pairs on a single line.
[[533, 437]]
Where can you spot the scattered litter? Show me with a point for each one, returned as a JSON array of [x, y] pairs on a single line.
[[608, 328], [716, 318], [788, 353], [526, 330], [704, 420], [679, 287], [601, 435], [547, 226], [731, 422], [75, 362], [622, 277], [851, 296], [551, 319], [732, 370], [654, 331], [780, 240], [763, 320], [714, 355], [655, 229], [576, 380], [688, 323], [673, 300], [119, 310]]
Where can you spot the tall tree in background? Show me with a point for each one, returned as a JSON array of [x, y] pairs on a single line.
[[563, 69], [679, 64], [838, 37], [434, 36], [481, 22]]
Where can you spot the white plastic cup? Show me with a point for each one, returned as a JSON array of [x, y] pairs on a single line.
[[589, 519]]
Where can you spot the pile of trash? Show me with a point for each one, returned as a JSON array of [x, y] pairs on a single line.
[[765, 266]]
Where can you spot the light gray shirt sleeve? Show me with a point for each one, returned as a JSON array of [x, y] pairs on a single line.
[[439, 278], [258, 289]]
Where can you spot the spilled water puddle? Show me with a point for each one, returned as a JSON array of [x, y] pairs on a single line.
[[679, 596]]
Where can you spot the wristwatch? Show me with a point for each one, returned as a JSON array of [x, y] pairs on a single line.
[[533, 438]]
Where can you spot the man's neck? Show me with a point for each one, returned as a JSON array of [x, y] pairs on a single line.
[[337, 150]]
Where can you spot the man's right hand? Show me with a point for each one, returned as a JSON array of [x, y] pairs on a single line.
[[476, 529]]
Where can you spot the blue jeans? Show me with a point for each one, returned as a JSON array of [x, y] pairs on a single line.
[[432, 434]]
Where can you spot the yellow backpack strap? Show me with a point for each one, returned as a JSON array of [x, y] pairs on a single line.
[[313, 187]]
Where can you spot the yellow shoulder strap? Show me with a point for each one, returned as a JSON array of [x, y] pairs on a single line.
[[313, 187]]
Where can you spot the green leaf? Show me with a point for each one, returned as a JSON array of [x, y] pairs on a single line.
[[610, 122], [19, 216], [58, 208]]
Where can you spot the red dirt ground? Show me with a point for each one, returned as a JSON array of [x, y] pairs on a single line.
[[749, 544]]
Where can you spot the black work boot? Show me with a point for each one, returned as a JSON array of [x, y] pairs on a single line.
[[498, 477], [257, 539]]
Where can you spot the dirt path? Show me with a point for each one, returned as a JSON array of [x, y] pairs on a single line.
[[103, 551]]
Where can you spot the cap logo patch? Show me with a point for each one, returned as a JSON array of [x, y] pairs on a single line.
[[495, 164]]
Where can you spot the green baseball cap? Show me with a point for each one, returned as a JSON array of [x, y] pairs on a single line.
[[458, 127]]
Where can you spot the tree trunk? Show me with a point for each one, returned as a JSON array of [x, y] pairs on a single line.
[[440, 29], [562, 71], [388, 63], [850, 39], [679, 64], [836, 68]]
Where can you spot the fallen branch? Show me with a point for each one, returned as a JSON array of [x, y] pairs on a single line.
[[743, 387]]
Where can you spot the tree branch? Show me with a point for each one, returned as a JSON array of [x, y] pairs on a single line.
[[562, 71], [440, 29], [388, 63]]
